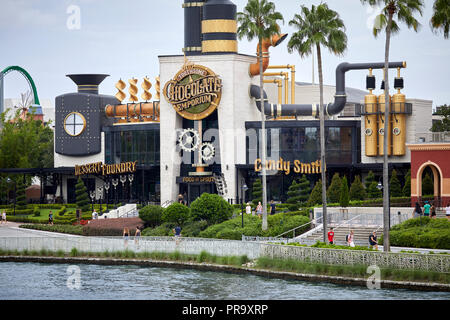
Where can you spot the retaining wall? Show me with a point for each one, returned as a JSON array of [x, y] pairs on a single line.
[[253, 250]]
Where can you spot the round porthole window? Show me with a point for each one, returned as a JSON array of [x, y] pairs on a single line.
[[396, 131], [74, 124], [368, 132], [381, 131]]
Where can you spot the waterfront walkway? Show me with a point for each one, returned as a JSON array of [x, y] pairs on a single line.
[[11, 229]]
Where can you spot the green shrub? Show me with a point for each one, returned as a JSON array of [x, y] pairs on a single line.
[[344, 198], [395, 188], [176, 213], [357, 191], [151, 215], [315, 197], [82, 196], [334, 190], [193, 229], [212, 208], [162, 230], [257, 192], [407, 187]]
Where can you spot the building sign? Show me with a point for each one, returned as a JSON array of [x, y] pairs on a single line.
[[194, 92], [105, 169], [195, 179], [285, 166]]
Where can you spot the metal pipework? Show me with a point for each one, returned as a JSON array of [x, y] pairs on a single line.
[[280, 86], [292, 68], [286, 82], [340, 98], [274, 41]]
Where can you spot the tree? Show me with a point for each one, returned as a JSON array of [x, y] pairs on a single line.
[[404, 10], [305, 189], [319, 27], [394, 184], [256, 192], [369, 179], [211, 208], [81, 195], [443, 124], [259, 20], [345, 198], [25, 143], [441, 17], [334, 190], [176, 213], [427, 185], [357, 191], [151, 215], [373, 192], [293, 196], [315, 197], [407, 187], [21, 200]]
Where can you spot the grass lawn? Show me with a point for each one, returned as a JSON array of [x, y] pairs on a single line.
[[43, 218]]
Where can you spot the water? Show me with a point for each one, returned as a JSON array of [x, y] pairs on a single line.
[[36, 281]]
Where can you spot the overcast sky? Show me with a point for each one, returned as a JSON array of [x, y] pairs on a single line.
[[124, 38]]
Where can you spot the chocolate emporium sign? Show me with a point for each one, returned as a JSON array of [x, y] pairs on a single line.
[[194, 92]]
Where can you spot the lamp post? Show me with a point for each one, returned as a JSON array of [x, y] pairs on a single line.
[[131, 178], [243, 189], [123, 179], [100, 192], [115, 182], [386, 244], [15, 191], [106, 186], [92, 194]]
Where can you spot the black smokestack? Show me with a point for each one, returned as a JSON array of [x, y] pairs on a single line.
[[87, 83], [193, 27]]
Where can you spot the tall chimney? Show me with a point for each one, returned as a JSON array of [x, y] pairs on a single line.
[[87, 83]]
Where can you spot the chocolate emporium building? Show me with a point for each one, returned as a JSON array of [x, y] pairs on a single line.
[[200, 131]]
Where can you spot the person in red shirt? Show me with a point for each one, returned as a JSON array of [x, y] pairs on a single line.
[[331, 236]]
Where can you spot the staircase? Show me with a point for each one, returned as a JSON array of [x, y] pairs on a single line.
[[361, 235], [126, 211]]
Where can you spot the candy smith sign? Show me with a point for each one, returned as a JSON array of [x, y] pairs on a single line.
[[106, 169], [194, 92], [282, 165]]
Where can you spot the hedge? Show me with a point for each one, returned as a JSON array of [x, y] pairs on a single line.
[[78, 230], [111, 226], [421, 232]]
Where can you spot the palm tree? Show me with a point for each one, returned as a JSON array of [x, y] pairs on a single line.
[[441, 16], [319, 27], [259, 20], [404, 11]]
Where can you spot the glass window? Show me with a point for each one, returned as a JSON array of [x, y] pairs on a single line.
[[74, 124]]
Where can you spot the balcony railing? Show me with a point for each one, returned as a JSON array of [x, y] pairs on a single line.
[[424, 137]]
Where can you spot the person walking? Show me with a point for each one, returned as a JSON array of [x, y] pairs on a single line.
[[350, 239], [50, 218], [447, 211], [273, 207], [331, 236], [137, 235], [373, 240], [248, 208], [433, 211], [417, 212], [426, 209], [94, 215], [4, 217], [259, 210], [177, 234], [126, 234]]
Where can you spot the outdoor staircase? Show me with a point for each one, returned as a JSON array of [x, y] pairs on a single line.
[[361, 235], [126, 211]]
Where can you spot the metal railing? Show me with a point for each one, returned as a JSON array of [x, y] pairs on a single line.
[[423, 137], [167, 203], [293, 229]]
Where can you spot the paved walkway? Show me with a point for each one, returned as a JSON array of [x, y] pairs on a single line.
[[11, 229]]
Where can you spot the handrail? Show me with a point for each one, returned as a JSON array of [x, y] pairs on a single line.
[[167, 203], [314, 220], [347, 221], [126, 213]]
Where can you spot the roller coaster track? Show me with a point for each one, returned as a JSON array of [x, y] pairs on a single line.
[[25, 74]]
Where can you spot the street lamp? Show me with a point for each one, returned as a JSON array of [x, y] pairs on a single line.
[[92, 194], [107, 185], [386, 244], [123, 179], [131, 178], [100, 191], [243, 189], [115, 182], [8, 180]]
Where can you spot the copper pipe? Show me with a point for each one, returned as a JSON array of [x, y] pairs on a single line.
[[286, 82], [292, 68], [280, 85], [266, 44], [147, 111]]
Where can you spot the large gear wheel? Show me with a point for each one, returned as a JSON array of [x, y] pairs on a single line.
[[189, 140], [207, 151]]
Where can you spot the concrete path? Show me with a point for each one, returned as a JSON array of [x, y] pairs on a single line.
[[11, 229]]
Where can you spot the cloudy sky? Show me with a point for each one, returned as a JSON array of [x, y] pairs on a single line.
[[125, 38]]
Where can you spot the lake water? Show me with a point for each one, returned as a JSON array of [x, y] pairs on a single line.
[[36, 281]]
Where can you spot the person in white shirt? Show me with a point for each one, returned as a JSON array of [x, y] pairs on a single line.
[[248, 208], [4, 217], [94, 215], [447, 211]]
